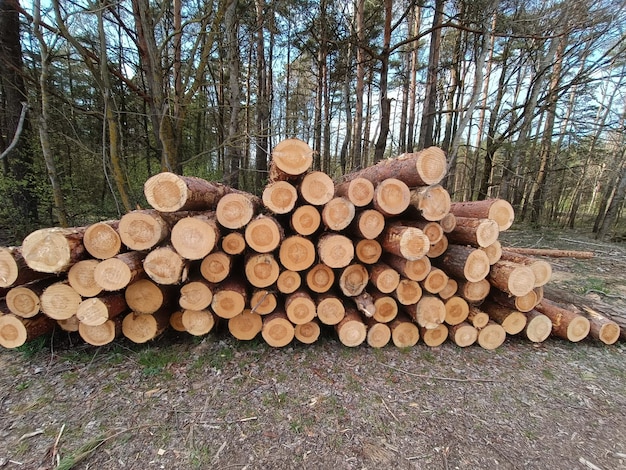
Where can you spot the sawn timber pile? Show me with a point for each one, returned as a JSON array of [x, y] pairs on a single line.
[[380, 256]]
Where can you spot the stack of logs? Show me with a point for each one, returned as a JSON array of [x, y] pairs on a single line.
[[380, 256]]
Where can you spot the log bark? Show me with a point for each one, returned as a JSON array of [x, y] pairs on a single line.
[[308, 333], [118, 272], [290, 158], [542, 270], [140, 328], [431, 203], [434, 337], [407, 242], [280, 197], [197, 322], [408, 292], [317, 188], [195, 237], [513, 321], [320, 278], [368, 224], [59, 301], [16, 331], [378, 334], [457, 310], [368, 251], [277, 330], [435, 281], [351, 330], [551, 253], [475, 232], [230, 299], [143, 229], [233, 243], [53, 250], [492, 336], [297, 253], [99, 335], [81, 278], [330, 308], [13, 268], [359, 191], [235, 210], [538, 326], [429, 312], [147, 297], [288, 282], [168, 192], [463, 262], [512, 278], [566, 324], [404, 333], [391, 197], [97, 310], [194, 295], [335, 250], [262, 270], [216, 266], [263, 301], [306, 220], [165, 266], [264, 234], [102, 239], [300, 307], [245, 326], [338, 213], [353, 279], [463, 334], [495, 209], [415, 270]]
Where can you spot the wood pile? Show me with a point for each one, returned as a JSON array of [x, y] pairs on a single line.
[[381, 256]]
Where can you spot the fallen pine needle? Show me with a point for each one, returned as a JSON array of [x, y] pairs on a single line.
[[436, 377]]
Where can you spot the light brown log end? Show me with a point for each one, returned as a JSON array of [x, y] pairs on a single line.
[[102, 240], [233, 243], [392, 197], [194, 237], [235, 210], [306, 220], [308, 333], [317, 188], [280, 197], [262, 270], [197, 322], [246, 325], [292, 156], [491, 336], [338, 213], [297, 253]]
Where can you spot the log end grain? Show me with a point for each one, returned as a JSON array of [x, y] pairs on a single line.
[[9, 268], [306, 220], [385, 309], [228, 303], [197, 322], [112, 274], [52, 250], [292, 156], [320, 278], [144, 296], [263, 302], [317, 188], [13, 333], [142, 230], [392, 197], [463, 334], [429, 312], [491, 336], [233, 243], [166, 192], [408, 292], [300, 308], [457, 310], [359, 190], [297, 253], [351, 330], [431, 165], [538, 327], [503, 213], [263, 234], [277, 330], [23, 302], [378, 335], [246, 325], [330, 310], [164, 266], [102, 240], [280, 197], [194, 295], [435, 336], [308, 333], [262, 270], [99, 335], [81, 278], [368, 251], [194, 237], [433, 203], [353, 280], [369, 224], [335, 250], [60, 301], [404, 333], [235, 210], [338, 213], [477, 266], [215, 267], [288, 281]]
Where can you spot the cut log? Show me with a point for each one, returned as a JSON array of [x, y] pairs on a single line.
[[290, 158], [143, 229], [435, 281], [59, 301], [197, 322], [147, 297], [230, 299], [308, 333], [317, 188], [195, 295], [16, 331], [365, 304], [423, 168], [494, 251], [95, 311], [118, 272], [368, 224], [434, 337], [288, 282], [143, 328], [351, 330], [280, 197], [353, 279], [542, 270], [404, 333], [246, 325], [491, 336], [235, 210], [438, 248], [391, 197], [300, 307], [495, 209], [474, 292], [448, 222], [408, 292], [457, 310], [523, 303], [277, 330], [262, 270], [24, 301], [297, 253], [475, 232], [384, 277], [216, 266], [359, 191], [602, 328], [566, 324], [102, 239], [176, 321], [263, 302], [513, 321], [335, 250], [320, 278], [477, 317], [538, 326], [13, 268], [449, 290], [99, 335], [264, 234], [464, 262], [378, 334], [432, 230], [195, 237], [513, 278], [551, 253], [338, 213], [168, 192], [407, 242], [53, 250], [233, 243], [429, 312], [81, 278], [430, 202], [463, 334], [164, 266], [385, 307], [306, 220], [415, 270], [368, 251], [330, 308], [69, 324]]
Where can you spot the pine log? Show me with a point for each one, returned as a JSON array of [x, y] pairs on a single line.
[[230, 299], [359, 191], [233, 243], [176, 321], [429, 312], [330, 308], [195, 294], [432, 230], [95, 311], [140, 328], [351, 330], [513, 321], [277, 330], [147, 297], [513, 278], [102, 239], [538, 326], [430, 202], [391, 197], [320, 278], [368, 251], [81, 278], [404, 333], [475, 232], [496, 209], [143, 229], [69, 324], [338, 213], [195, 237], [235, 210], [493, 251], [365, 304], [407, 242], [280, 197], [317, 188], [353, 279], [246, 325], [335, 250], [262, 270], [119, 271], [59, 301], [300, 307], [438, 248], [408, 292], [542, 270], [602, 328], [423, 168], [435, 336], [13, 268], [99, 335], [385, 307], [436, 281], [448, 222], [288, 282], [297, 253], [368, 224], [378, 334], [165, 266], [216, 266], [464, 262], [53, 250], [477, 317], [474, 292], [263, 301], [308, 333], [566, 324], [463, 334], [306, 220], [415, 270], [449, 290], [384, 277], [491, 336], [457, 310], [24, 301], [16, 331], [264, 234], [290, 158], [551, 253], [524, 303], [197, 322], [168, 192]]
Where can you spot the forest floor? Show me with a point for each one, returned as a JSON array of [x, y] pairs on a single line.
[[213, 402]]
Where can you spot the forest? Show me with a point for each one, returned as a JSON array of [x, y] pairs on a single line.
[[526, 98]]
